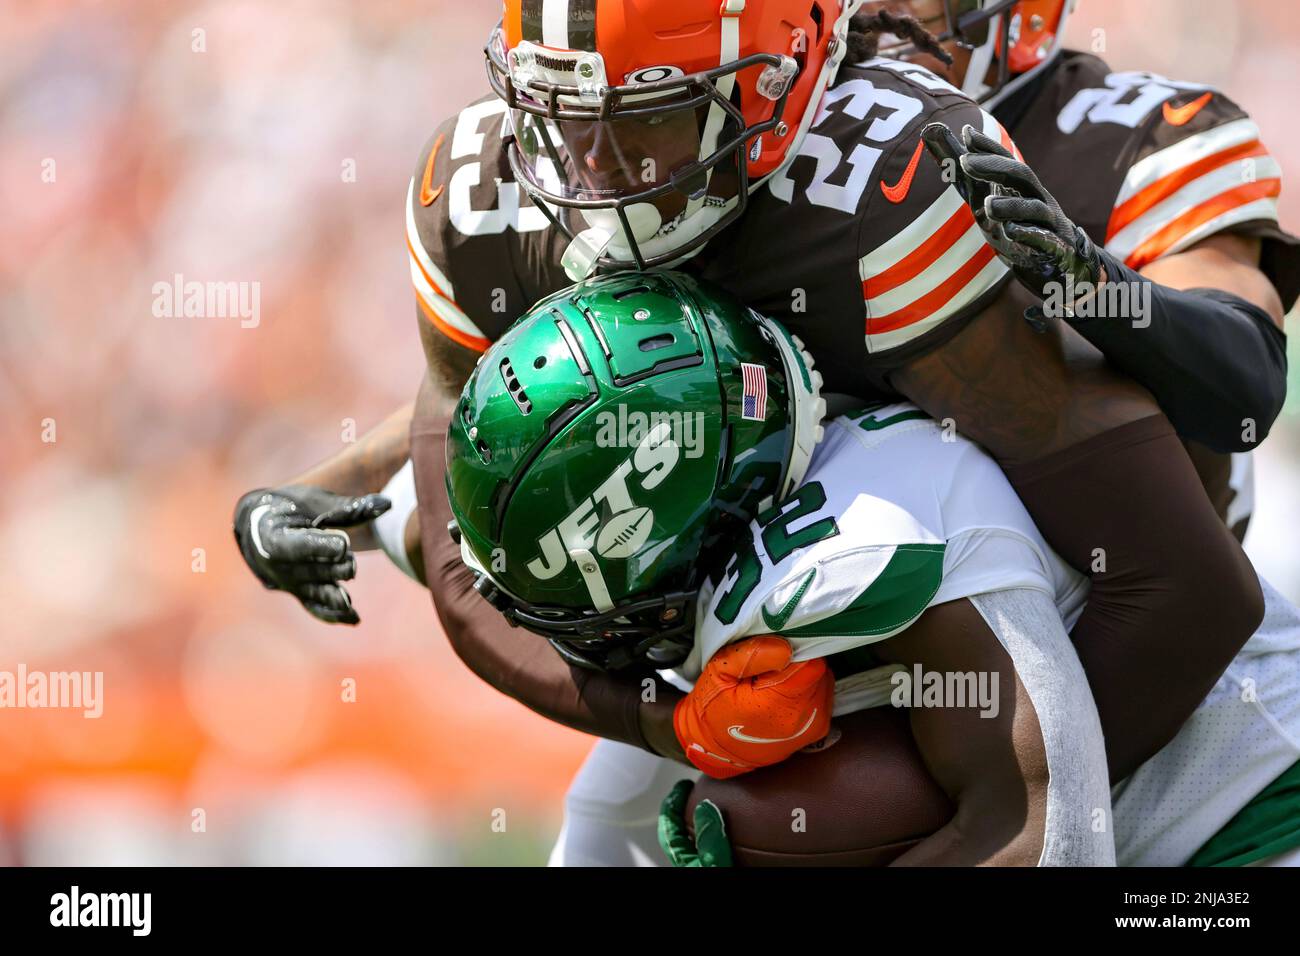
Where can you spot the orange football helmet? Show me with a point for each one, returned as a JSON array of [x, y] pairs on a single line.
[[1014, 38], [653, 119]]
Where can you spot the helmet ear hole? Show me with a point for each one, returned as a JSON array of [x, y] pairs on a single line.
[[657, 342]]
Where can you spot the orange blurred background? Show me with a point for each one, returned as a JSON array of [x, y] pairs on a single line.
[[272, 142]]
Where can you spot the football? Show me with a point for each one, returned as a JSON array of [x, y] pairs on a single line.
[[862, 797]]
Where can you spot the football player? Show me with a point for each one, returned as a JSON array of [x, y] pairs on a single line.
[[744, 150], [760, 569], [615, 446]]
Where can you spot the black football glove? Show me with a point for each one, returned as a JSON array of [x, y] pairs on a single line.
[[293, 540], [1018, 216]]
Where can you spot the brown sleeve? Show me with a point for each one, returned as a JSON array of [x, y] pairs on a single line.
[[1173, 596], [516, 662]]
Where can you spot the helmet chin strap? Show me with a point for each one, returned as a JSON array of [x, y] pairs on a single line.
[[580, 256], [605, 235], [981, 59]]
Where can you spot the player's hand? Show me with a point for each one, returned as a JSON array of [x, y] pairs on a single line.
[[292, 538], [710, 846], [1021, 220], [752, 708]]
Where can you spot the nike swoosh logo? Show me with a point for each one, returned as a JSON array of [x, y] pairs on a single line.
[[428, 195], [777, 621], [898, 192], [737, 731], [1182, 115]]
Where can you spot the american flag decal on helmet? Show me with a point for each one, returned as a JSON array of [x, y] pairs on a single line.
[[561, 24], [753, 395]]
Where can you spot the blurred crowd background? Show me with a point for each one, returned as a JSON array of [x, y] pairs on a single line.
[[271, 141]]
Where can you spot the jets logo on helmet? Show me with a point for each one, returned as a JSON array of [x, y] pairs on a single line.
[[625, 533], [715, 96], [654, 460], [604, 545]]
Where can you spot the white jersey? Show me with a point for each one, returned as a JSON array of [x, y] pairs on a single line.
[[896, 514], [1240, 739]]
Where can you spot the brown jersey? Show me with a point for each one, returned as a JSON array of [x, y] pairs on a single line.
[[1149, 166], [859, 246]]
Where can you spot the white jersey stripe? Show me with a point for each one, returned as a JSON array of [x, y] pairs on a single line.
[[442, 307], [957, 255], [416, 248], [1173, 158], [1213, 183], [1259, 209], [992, 128], [985, 279], [994, 131], [440, 301], [910, 239]]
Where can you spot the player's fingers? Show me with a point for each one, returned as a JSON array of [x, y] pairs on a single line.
[[674, 838], [674, 805], [977, 142], [1001, 171], [711, 835], [331, 615], [294, 545], [753, 656], [942, 143], [354, 511], [1018, 209], [329, 602], [319, 572], [1040, 240], [794, 680]]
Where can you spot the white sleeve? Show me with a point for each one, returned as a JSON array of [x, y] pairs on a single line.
[[390, 527], [1079, 822]]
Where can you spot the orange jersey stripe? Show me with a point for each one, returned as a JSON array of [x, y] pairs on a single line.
[[1129, 211], [923, 256], [453, 333], [926, 306], [1162, 240], [1008, 143]]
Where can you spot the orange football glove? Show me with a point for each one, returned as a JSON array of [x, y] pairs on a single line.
[[752, 708]]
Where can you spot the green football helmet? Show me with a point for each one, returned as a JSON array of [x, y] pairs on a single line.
[[610, 444]]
